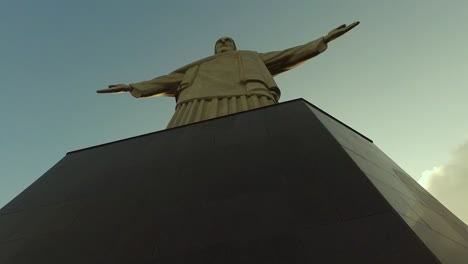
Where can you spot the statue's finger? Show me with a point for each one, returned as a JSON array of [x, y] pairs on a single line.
[[109, 90], [348, 28], [353, 24], [342, 26], [106, 91]]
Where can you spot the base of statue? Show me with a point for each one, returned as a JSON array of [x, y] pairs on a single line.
[[282, 184]]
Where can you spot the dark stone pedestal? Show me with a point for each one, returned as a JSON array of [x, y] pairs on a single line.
[[282, 184]]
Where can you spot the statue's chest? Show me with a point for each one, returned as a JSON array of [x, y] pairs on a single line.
[[225, 63]]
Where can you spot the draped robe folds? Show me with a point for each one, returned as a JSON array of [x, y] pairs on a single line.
[[226, 83]]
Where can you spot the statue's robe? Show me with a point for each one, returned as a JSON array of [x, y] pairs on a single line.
[[226, 83]]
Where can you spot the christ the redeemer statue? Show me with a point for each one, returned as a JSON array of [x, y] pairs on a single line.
[[228, 82]]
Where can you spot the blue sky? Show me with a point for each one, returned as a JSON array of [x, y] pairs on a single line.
[[399, 77]]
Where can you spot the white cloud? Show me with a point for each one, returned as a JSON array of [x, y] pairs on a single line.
[[428, 175], [449, 183]]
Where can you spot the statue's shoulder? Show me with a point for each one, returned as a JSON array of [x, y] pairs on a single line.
[[248, 52], [249, 55], [183, 69]]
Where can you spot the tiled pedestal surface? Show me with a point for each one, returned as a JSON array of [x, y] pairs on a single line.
[[281, 184]]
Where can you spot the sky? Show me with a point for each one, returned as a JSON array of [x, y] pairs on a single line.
[[400, 77]]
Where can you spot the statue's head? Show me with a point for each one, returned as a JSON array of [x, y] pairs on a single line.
[[225, 44]]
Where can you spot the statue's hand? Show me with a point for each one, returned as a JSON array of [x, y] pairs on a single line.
[[339, 31], [116, 88]]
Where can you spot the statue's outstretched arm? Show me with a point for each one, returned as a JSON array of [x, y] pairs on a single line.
[[165, 85], [280, 61]]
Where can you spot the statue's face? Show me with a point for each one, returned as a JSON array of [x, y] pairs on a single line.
[[224, 45]]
